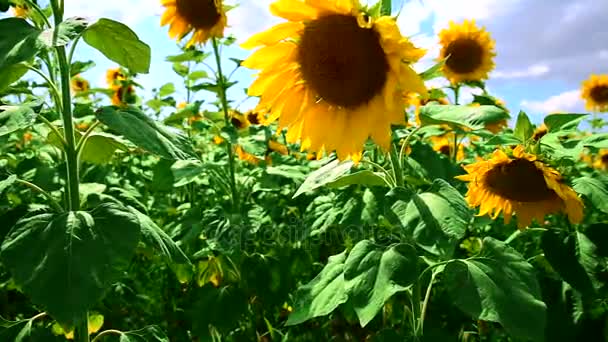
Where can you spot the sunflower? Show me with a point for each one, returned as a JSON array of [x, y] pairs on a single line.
[[238, 120], [601, 160], [204, 18], [123, 95], [540, 132], [520, 185], [246, 156], [114, 77], [255, 117], [218, 140], [469, 51], [496, 127], [274, 146], [444, 144], [595, 93], [79, 84], [21, 11], [332, 75]]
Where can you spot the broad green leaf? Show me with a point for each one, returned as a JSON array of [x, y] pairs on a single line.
[[178, 117], [80, 67], [187, 171], [14, 118], [18, 41], [599, 141], [556, 122], [148, 334], [66, 262], [119, 44], [365, 177], [64, 33], [437, 218], [166, 89], [188, 56], [146, 133], [595, 190], [323, 294], [11, 74], [523, 128], [500, 286], [373, 274], [153, 236], [4, 184], [433, 72], [461, 116], [100, 147], [386, 8], [588, 255], [562, 254], [15, 331], [330, 172]]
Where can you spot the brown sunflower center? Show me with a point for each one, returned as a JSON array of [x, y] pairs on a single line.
[[600, 94], [539, 133], [604, 158], [465, 55], [253, 118], [236, 122], [201, 14], [519, 180], [342, 62], [445, 149]]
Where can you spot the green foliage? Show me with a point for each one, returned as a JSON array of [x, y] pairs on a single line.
[[595, 190], [461, 117], [523, 128], [14, 118], [18, 41]]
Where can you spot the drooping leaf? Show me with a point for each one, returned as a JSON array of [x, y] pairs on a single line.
[[63, 33], [330, 172], [373, 274], [323, 294], [66, 262], [80, 67], [523, 128], [119, 44], [433, 72], [15, 331], [500, 286], [437, 218], [461, 116], [100, 147], [595, 190], [14, 118], [138, 128], [556, 122], [365, 177], [11, 74], [4, 184], [187, 171], [18, 41]]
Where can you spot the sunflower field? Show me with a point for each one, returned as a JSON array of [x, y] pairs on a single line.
[[352, 201]]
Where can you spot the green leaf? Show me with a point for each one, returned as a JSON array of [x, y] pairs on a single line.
[[178, 117], [330, 172], [500, 286], [64, 33], [11, 74], [166, 89], [595, 190], [386, 8], [4, 184], [365, 177], [152, 235], [18, 41], [437, 218], [15, 331], [148, 334], [80, 67], [372, 275], [119, 44], [523, 128], [556, 122], [187, 171], [66, 262], [100, 147], [599, 141], [562, 254], [14, 118], [433, 72], [188, 56], [323, 294], [4, 5], [138, 128], [461, 116]]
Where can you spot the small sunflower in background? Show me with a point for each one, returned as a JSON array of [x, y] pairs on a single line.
[[21, 11], [601, 160], [238, 120], [275, 146], [203, 18], [255, 117], [123, 96], [114, 77], [444, 144], [520, 185], [469, 50], [246, 156], [332, 75], [218, 140], [595, 93], [79, 84], [540, 132]]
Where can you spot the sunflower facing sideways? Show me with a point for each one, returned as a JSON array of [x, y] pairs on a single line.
[[520, 185], [595, 93], [204, 18], [79, 84], [469, 51], [332, 75]]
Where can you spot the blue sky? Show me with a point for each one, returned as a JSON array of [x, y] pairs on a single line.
[[546, 48]]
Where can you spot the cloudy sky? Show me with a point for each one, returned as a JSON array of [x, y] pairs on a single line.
[[546, 48]]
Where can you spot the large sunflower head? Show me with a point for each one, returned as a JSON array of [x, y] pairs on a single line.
[[469, 51], [79, 84], [332, 75], [595, 93], [520, 185], [203, 18]]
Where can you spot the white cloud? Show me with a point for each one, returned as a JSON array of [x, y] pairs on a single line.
[[568, 101], [532, 71], [603, 54], [251, 17]]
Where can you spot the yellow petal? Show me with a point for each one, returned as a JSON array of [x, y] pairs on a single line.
[[274, 35], [293, 10]]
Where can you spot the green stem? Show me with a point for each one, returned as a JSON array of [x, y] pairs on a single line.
[[81, 331], [85, 137], [73, 48], [224, 100], [37, 8], [425, 304], [53, 128], [456, 90], [396, 165], [406, 143], [512, 237], [455, 152], [52, 86], [416, 300], [106, 332], [38, 189]]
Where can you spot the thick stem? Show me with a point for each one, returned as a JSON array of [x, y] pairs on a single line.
[[396, 165], [425, 304], [416, 300], [224, 100], [81, 331]]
